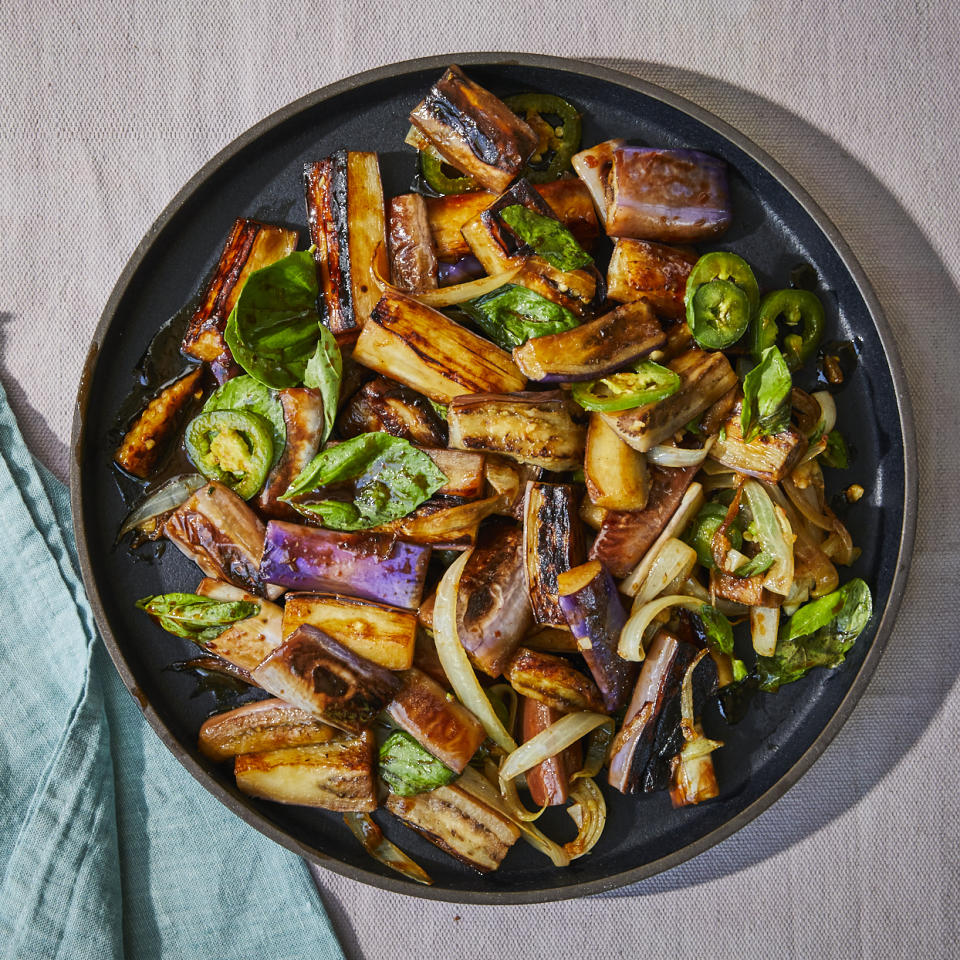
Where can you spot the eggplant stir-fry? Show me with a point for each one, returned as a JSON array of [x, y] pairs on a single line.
[[499, 485]]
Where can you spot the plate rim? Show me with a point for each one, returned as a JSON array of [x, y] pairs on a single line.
[[904, 409]]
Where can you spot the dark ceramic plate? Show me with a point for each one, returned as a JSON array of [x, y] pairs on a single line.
[[776, 226]]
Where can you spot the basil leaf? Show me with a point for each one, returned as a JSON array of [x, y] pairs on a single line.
[[387, 477], [548, 237], [324, 372], [196, 618], [819, 634], [512, 315], [273, 330], [761, 563], [718, 628], [245, 393], [766, 396], [835, 454], [407, 769]]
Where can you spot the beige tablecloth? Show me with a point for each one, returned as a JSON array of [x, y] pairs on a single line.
[[107, 108]]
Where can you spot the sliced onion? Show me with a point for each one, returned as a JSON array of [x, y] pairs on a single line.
[[549, 742], [764, 623], [674, 559], [814, 450], [729, 608], [517, 810], [168, 496], [664, 456], [720, 481], [454, 658], [589, 813], [687, 719], [631, 637], [505, 691], [828, 411], [597, 748], [380, 848], [776, 536], [700, 746]]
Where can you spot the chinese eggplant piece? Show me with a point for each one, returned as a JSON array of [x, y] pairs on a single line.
[[593, 167], [223, 536], [616, 475], [345, 213], [458, 823], [534, 428], [369, 565], [653, 271], [382, 634], [336, 775], [413, 262], [313, 671], [387, 406], [770, 457], [552, 680], [250, 246], [442, 522], [443, 727], [549, 780], [260, 727], [474, 131], [595, 349], [246, 642], [420, 347]]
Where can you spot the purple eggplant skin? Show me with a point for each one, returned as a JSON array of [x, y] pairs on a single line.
[[493, 608], [671, 196], [595, 349], [372, 566], [318, 674], [595, 615]]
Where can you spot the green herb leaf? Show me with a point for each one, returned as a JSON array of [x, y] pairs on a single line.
[[387, 477], [440, 409], [407, 769], [761, 563], [718, 628], [511, 315], [273, 330], [766, 396], [245, 393], [819, 634], [196, 618], [547, 237], [836, 454], [324, 372]]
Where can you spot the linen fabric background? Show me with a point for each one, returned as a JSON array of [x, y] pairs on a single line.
[[109, 107]]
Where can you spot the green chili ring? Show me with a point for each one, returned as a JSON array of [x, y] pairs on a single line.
[[722, 265], [646, 382], [431, 169], [718, 315], [234, 447], [699, 534], [562, 142], [795, 308]]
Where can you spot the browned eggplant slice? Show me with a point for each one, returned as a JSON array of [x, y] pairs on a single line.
[[548, 781], [387, 406], [303, 416], [413, 262], [223, 536], [654, 271], [534, 428], [313, 671], [427, 351], [704, 379], [442, 522], [336, 775], [458, 823], [553, 542], [474, 131], [553, 681], [508, 479], [345, 213], [260, 727], [465, 472], [153, 430], [246, 642], [615, 473], [769, 458], [382, 634], [493, 607], [593, 167], [443, 727], [250, 246]]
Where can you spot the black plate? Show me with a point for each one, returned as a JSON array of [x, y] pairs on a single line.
[[776, 226]]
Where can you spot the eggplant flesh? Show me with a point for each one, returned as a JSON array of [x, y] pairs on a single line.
[[303, 417], [223, 536], [465, 472], [420, 347], [616, 475], [458, 823], [250, 246], [313, 671], [443, 522], [593, 167], [493, 608], [704, 379], [769, 458], [548, 781], [444, 728], [534, 428], [151, 433], [553, 543], [667, 195], [553, 681], [474, 131], [246, 642], [655, 271], [383, 405], [595, 349], [336, 775], [413, 263], [575, 290]]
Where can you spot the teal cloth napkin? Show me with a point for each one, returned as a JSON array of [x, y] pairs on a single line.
[[108, 847]]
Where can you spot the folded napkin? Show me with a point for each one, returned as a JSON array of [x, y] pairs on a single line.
[[108, 847]]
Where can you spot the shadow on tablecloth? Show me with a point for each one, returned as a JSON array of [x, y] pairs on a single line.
[[922, 659]]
